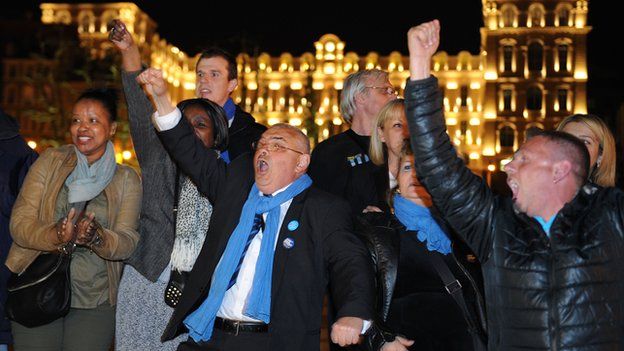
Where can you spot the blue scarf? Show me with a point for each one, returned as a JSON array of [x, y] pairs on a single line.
[[418, 218], [86, 182], [201, 322], [230, 111]]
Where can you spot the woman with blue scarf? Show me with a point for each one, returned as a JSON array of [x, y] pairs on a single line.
[[81, 184], [415, 310]]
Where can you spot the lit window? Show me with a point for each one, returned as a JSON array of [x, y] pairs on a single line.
[[507, 96], [536, 15], [507, 136], [562, 52], [534, 99], [508, 14], [507, 58], [463, 92], [563, 15], [562, 99], [536, 56]]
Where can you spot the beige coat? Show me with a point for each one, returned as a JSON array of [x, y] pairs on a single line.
[[32, 219]]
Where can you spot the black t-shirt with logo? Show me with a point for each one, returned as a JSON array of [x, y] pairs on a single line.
[[341, 166]]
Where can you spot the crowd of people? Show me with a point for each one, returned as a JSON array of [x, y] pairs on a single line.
[[234, 234]]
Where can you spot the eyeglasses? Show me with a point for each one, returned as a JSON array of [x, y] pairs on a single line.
[[273, 147], [386, 90]]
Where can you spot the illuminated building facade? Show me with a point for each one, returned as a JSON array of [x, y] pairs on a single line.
[[531, 72]]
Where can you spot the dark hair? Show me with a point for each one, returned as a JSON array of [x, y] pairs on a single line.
[[218, 52], [106, 97], [217, 116], [570, 148]]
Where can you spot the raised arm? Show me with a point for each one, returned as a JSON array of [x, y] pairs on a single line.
[[151, 155], [130, 56], [463, 199], [200, 164]]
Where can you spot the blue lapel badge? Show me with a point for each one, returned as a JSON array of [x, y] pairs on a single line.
[[293, 225]]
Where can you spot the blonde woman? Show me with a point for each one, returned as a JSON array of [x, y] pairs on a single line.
[[599, 142], [389, 132]]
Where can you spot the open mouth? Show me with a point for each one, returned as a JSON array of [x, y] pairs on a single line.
[[84, 139], [514, 188], [262, 166]]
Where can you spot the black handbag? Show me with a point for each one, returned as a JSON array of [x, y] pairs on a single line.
[[42, 293], [174, 289]]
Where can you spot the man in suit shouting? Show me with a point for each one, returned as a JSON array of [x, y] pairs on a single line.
[[274, 245]]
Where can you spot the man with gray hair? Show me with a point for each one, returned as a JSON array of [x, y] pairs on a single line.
[[340, 164]]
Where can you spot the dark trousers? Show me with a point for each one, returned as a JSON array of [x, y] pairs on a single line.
[[224, 341], [81, 329]]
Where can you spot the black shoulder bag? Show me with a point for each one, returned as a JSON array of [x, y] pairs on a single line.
[[41, 294], [454, 288]]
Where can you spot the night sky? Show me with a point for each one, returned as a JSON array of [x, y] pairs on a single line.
[[277, 28]]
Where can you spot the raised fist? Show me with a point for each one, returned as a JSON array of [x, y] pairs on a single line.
[[423, 40], [119, 35]]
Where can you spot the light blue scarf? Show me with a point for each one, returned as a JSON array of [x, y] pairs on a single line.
[[86, 182], [201, 322], [418, 218]]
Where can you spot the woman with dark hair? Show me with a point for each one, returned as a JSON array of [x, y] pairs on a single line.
[[81, 184], [416, 308], [174, 216]]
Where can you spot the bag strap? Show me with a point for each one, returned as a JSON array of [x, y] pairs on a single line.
[[454, 288]]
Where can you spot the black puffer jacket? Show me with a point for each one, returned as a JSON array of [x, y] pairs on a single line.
[[565, 292]]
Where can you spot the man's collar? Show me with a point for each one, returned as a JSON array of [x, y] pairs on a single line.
[[276, 191]]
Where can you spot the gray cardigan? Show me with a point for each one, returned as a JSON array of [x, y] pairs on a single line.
[[158, 173]]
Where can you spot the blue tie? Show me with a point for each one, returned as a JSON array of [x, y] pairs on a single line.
[[258, 223]]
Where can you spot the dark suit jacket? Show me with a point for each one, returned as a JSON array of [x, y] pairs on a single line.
[[326, 252], [16, 157], [242, 133]]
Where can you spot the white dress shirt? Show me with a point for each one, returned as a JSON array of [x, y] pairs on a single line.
[[235, 298]]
